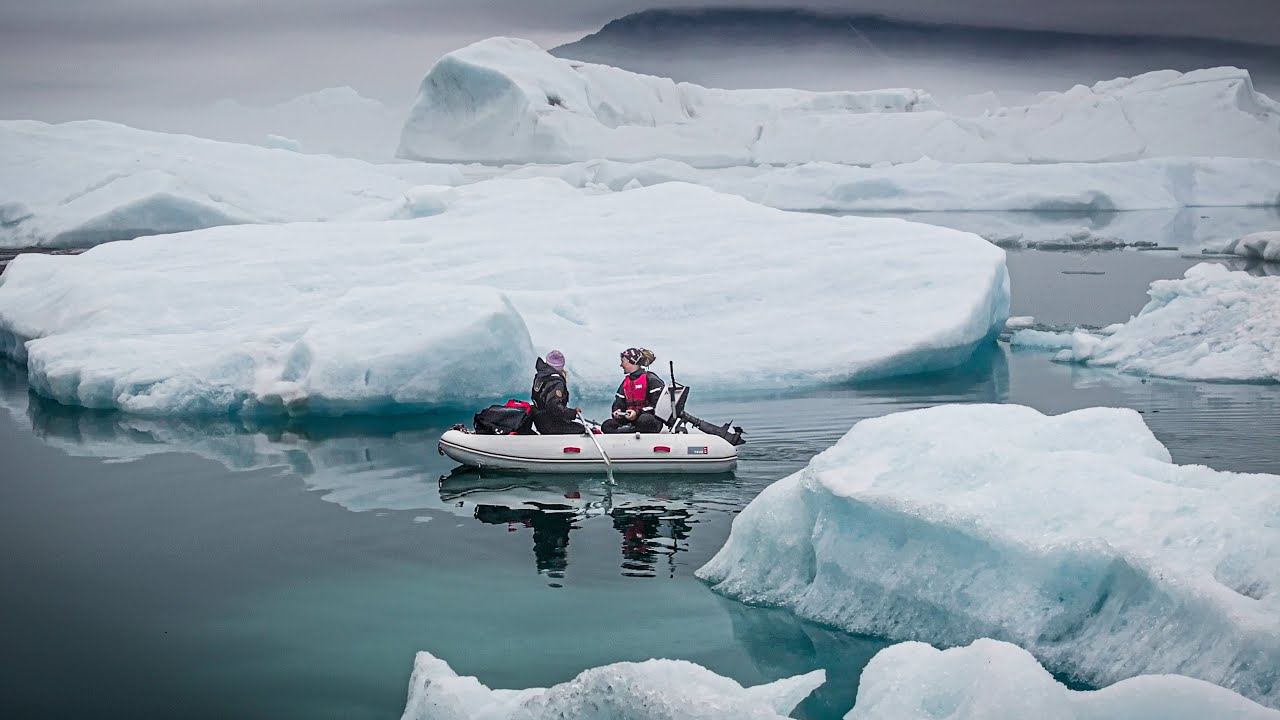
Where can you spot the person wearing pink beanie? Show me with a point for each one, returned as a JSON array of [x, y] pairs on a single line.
[[550, 395]]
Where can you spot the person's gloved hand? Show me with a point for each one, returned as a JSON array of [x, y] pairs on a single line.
[[619, 415], [631, 415]]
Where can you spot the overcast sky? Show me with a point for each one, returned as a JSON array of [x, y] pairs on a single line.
[[59, 59]]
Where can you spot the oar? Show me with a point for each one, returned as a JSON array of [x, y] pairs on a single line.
[[608, 466]]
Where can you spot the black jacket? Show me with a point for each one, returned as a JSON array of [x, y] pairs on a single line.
[[550, 397], [654, 391]]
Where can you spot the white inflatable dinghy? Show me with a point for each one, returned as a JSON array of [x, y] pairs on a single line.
[[682, 452], [685, 445]]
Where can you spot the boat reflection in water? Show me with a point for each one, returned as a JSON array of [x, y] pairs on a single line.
[[653, 515]]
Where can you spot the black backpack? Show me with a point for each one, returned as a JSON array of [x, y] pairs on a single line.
[[514, 418]]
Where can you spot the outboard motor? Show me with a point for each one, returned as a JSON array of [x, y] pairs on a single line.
[[670, 410], [734, 435]]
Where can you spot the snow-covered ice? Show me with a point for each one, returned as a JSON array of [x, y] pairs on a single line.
[[650, 690], [334, 121], [1073, 536], [344, 317], [930, 186], [79, 184], [1263, 245], [503, 100], [1211, 324], [992, 680], [84, 183], [1041, 339]]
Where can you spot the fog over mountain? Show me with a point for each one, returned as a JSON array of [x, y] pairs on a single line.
[[748, 47]]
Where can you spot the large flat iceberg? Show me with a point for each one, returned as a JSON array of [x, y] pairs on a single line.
[[992, 680], [503, 100], [453, 307], [1212, 324], [1073, 536], [650, 690]]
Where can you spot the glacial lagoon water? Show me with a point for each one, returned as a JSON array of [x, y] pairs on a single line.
[[211, 569]]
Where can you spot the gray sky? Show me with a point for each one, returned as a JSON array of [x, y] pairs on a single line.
[[61, 59]]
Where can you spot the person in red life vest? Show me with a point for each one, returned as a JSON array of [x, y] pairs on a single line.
[[550, 394], [637, 395]]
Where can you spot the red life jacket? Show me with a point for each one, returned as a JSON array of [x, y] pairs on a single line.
[[636, 392]]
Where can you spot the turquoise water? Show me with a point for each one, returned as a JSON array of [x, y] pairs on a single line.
[[211, 569]]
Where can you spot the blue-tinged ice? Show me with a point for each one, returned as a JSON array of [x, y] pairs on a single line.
[[504, 100], [79, 184], [452, 304], [650, 690], [992, 680], [1073, 536]]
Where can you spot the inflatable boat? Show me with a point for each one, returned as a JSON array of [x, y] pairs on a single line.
[[682, 452], [685, 445]]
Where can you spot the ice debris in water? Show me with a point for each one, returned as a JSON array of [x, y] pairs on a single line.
[[649, 690], [1073, 536], [1212, 324]]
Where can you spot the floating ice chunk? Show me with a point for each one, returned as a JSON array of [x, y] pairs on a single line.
[[280, 142], [992, 680], [929, 186], [1042, 339], [1022, 321], [1212, 324], [377, 317], [650, 690], [1261, 245], [503, 100], [1073, 536]]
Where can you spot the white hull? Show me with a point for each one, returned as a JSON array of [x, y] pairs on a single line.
[[692, 452]]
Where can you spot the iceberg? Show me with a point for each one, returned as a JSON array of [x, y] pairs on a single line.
[[1041, 339], [1263, 246], [1212, 324], [334, 121], [992, 680], [83, 183], [650, 690], [453, 307], [1073, 536], [930, 186], [504, 100]]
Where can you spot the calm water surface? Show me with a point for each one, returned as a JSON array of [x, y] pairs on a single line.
[[207, 569]]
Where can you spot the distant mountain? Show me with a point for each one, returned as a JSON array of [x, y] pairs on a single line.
[[794, 48]]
